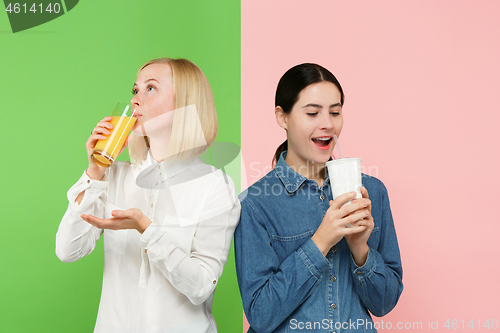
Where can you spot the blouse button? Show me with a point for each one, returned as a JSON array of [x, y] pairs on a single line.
[[215, 282], [334, 279], [333, 306], [88, 181], [322, 197]]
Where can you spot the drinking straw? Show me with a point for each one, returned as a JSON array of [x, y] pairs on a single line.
[[124, 113], [337, 145]]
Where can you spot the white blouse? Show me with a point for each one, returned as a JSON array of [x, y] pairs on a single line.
[[164, 279]]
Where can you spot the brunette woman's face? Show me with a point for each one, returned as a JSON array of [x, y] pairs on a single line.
[[310, 126], [153, 92]]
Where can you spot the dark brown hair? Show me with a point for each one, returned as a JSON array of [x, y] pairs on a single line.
[[291, 85]]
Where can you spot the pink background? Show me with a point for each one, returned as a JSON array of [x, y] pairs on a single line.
[[421, 80]]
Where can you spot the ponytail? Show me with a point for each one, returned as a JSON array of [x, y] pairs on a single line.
[[281, 148]]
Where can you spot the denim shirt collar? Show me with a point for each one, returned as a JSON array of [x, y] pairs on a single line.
[[291, 179]]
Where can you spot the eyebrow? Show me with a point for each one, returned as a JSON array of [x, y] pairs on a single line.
[[148, 81], [319, 106]]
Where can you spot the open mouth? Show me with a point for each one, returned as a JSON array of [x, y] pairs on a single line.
[[322, 142]]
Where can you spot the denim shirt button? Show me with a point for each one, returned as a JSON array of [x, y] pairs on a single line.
[[334, 278], [322, 197], [334, 249], [359, 272], [333, 306]]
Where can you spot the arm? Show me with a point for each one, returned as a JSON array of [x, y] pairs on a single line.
[[271, 290], [195, 273], [76, 238], [379, 281]]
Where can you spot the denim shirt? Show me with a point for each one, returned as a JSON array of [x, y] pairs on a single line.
[[286, 283]]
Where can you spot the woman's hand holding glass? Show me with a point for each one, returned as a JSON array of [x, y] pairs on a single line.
[[132, 218], [100, 132], [333, 227], [95, 171], [358, 241]]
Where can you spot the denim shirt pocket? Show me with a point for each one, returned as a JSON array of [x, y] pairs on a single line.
[[115, 241], [286, 245]]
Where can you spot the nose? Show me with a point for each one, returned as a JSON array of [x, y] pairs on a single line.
[[326, 121], [135, 101]]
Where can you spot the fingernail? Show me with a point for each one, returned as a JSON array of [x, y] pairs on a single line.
[[353, 194], [366, 213]]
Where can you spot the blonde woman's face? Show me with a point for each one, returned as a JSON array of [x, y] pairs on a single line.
[[153, 92]]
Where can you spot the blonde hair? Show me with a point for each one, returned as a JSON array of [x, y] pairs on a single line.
[[192, 132]]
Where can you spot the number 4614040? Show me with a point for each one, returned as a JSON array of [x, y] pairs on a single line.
[[17, 8]]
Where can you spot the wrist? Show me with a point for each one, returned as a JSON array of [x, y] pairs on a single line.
[[95, 173], [143, 224], [320, 245], [360, 254]]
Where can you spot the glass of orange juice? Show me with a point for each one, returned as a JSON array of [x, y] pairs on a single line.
[[106, 151]]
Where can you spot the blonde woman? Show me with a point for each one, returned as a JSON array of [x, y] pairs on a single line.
[[167, 218]]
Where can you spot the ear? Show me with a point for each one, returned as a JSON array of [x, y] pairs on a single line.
[[281, 117]]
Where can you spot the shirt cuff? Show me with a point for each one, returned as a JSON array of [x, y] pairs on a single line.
[[313, 258], [91, 186], [103, 183], [147, 235], [85, 182], [367, 268]]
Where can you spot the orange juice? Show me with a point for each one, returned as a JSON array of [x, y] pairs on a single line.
[[106, 151]]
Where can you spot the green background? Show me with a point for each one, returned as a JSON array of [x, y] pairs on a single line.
[[57, 80]]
